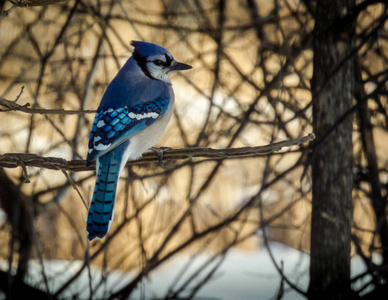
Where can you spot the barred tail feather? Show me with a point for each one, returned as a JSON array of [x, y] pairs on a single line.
[[101, 210]]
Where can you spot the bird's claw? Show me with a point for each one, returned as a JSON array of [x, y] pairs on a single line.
[[159, 152]]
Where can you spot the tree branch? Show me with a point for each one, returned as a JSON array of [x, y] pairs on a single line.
[[28, 3], [13, 160], [5, 13], [13, 106]]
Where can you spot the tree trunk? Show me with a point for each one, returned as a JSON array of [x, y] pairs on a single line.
[[332, 87]]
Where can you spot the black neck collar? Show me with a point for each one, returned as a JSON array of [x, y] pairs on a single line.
[[142, 63]]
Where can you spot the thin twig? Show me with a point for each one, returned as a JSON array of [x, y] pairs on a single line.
[[5, 13], [28, 3], [13, 106], [75, 187]]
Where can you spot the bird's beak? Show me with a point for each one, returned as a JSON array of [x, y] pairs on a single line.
[[177, 66]]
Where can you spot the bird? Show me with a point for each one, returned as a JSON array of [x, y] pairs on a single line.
[[131, 118]]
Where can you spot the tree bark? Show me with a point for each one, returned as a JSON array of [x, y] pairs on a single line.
[[332, 87]]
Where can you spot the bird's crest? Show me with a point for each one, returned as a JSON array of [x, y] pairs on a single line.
[[145, 49]]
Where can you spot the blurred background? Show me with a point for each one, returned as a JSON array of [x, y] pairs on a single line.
[[200, 227]]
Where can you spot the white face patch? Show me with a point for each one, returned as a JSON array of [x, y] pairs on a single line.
[[159, 72], [100, 123], [101, 147], [153, 115]]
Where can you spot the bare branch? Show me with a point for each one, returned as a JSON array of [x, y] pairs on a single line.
[[13, 160], [27, 3], [5, 13], [13, 106]]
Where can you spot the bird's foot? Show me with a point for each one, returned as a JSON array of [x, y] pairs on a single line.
[[159, 152]]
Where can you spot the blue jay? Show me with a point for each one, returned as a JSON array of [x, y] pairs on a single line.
[[131, 118]]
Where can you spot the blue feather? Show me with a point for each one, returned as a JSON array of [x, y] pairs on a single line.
[[112, 126], [101, 211]]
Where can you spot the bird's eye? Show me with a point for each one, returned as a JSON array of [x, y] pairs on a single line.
[[158, 62]]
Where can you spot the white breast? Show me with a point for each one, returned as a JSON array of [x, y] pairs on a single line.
[[149, 137]]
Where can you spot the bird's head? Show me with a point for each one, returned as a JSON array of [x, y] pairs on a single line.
[[155, 61]]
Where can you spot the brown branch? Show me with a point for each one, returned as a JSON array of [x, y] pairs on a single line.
[[28, 3], [13, 160], [5, 13], [13, 106]]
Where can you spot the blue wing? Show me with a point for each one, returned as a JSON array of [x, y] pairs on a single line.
[[112, 126]]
